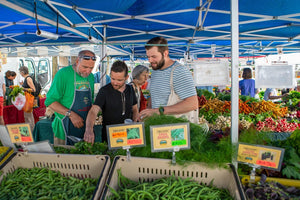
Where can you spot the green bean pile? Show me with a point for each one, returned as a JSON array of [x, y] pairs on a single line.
[[42, 184], [166, 188]]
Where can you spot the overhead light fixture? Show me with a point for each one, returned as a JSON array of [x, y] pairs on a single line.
[[47, 34], [93, 40]]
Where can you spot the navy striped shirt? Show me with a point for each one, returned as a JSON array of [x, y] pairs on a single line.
[[183, 84]]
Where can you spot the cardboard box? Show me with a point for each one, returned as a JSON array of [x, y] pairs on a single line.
[[79, 166], [150, 169]]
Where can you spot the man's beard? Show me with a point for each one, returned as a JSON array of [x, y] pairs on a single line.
[[84, 75], [160, 64], [117, 87]]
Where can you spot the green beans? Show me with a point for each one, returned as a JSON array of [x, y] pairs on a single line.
[[43, 184], [165, 189]]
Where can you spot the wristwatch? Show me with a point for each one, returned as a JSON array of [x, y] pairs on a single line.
[[68, 113], [161, 110]]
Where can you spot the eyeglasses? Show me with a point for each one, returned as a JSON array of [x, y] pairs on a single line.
[[89, 57]]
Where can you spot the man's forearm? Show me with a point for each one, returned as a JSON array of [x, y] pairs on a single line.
[[91, 117], [57, 107]]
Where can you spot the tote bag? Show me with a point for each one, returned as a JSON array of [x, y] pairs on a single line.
[[192, 116], [28, 107]]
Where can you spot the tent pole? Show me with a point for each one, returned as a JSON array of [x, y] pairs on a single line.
[[234, 74], [103, 54]]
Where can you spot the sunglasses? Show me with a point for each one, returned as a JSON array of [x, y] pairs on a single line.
[[89, 57]]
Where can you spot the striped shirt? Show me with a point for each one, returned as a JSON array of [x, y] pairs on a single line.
[[160, 90]]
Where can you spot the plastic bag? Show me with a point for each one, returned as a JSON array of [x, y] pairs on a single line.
[[19, 101], [28, 107]]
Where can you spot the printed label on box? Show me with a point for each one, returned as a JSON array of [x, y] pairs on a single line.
[[19, 133], [264, 156], [122, 135], [170, 136]]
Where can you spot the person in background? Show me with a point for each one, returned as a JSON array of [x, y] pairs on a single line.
[[160, 88], [9, 81], [100, 80], [2, 93], [28, 86], [116, 101], [70, 97], [247, 85], [271, 94], [140, 75], [9, 78], [103, 79]]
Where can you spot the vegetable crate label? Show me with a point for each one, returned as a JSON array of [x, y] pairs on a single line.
[[120, 135], [19, 133], [264, 156], [170, 137]]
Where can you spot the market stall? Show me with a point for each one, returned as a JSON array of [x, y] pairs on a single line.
[[12, 115]]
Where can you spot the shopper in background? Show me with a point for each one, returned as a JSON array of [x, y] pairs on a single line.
[[247, 85], [2, 94], [70, 97], [28, 86], [101, 78], [116, 101], [163, 97], [9, 78], [271, 94], [140, 75]]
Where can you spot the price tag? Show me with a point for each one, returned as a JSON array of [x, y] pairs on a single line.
[[263, 156], [125, 135], [170, 137], [19, 133]]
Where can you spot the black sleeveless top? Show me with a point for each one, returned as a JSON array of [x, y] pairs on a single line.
[[25, 84]]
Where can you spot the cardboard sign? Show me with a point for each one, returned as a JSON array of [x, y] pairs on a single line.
[[19, 133], [124, 135], [211, 73], [264, 156], [275, 76], [170, 137]]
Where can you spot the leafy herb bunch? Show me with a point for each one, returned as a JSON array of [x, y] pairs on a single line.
[[16, 90]]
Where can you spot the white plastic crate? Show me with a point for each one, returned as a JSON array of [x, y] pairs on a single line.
[[79, 166], [150, 169]]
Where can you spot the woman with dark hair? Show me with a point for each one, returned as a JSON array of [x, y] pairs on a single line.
[[247, 85], [9, 78]]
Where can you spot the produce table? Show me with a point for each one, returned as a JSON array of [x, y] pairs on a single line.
[[12, 115], [43, 131]]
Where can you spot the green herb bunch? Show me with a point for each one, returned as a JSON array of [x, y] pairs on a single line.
[[16, 90]]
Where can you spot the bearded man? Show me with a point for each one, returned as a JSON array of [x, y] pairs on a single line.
[[172, 87], [71, 96], [116, 101]]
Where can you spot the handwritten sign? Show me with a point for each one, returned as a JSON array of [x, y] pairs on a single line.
[[264, 156], [122, 135], [19, 133], [168, 137]]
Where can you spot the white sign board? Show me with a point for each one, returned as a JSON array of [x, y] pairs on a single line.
[[211, 73], [274, 76]]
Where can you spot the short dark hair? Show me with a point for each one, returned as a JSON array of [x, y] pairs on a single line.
[[9, 73], [24, 70], [12, 73], [119, 66], [247, 73], [162, 44]]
